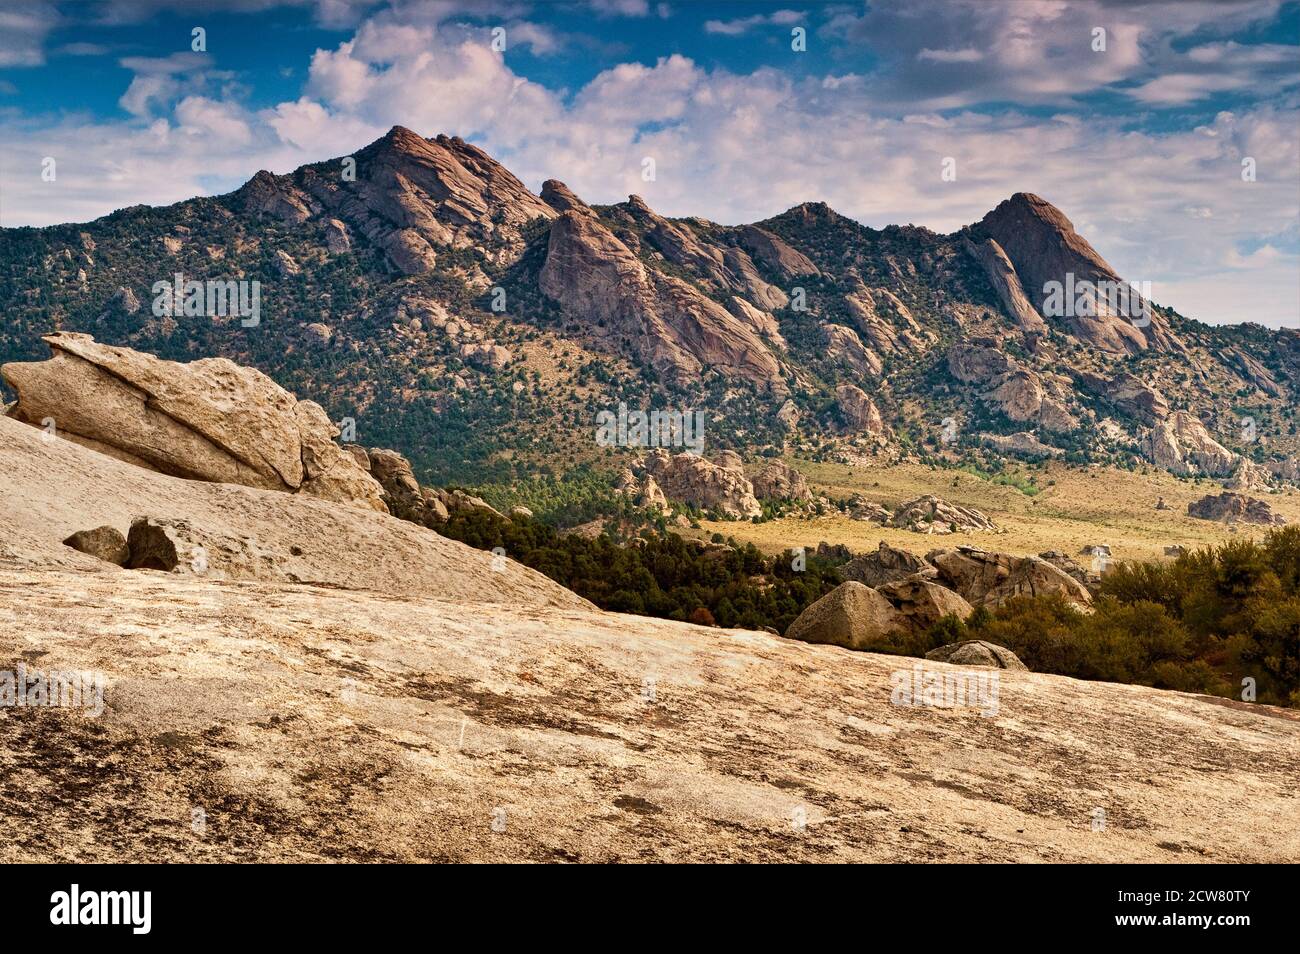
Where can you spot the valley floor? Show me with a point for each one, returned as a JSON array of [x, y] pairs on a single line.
[[1075, 507]]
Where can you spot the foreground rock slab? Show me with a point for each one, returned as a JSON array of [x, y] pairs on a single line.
[[315, 724]]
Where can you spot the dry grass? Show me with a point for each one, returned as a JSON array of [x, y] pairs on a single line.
[[1076, 506]]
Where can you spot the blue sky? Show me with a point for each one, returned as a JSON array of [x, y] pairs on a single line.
[[1140, 143]]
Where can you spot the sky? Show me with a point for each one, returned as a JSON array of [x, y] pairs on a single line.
[[1133, 117]]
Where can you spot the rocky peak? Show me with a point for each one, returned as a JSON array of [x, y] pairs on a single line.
[[812, 213], [1042, 246], [275, 195], [563, 199], [638, 207], [413, 195], [401, 139]]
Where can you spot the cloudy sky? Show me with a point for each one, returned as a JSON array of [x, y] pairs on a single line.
[[1141, 143]]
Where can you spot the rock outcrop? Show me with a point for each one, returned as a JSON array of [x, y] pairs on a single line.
[[931, 514], [725, 270], [977, 652], [231, 532], [1182, 445], [1022, 394], [703, 484], [1235, 508], [978, 362], [1249, 477], [1002, 276], [844, 347], [563, 199], [886, 564], [990, 579], [1022, 443], [859, 507], [663, 320], [1023, 397], [777, 480], [209, 420], [1287, 468], [644, 491], [1068, 565], [774, 253], [859, 412], [1130, 394]]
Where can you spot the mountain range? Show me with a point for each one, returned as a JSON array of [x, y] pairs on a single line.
[[421, 291]]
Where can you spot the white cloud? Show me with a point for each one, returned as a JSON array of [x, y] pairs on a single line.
[[23, 29], [621, 8], [967, 55], [159, 81], [221, 123], [945, 54], [742, 25]]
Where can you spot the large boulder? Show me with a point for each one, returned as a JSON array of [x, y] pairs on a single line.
[[886, 564], [990, 579], [209, 420], [931, 514], [976, 652], [702, 483], [851, 615], [104, 543], [921, 603], [777, 480], [1235, 508]]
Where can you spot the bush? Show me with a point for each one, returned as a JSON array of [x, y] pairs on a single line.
[[1203, 623]]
